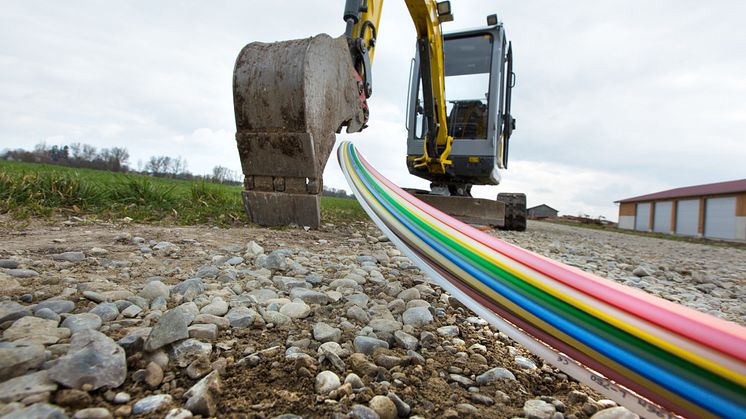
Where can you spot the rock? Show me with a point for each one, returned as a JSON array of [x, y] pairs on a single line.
[[58, 306], [178, 413], [493, 375], [107, 311], [73, 398], [263, 295], [641, 271], [92, 413], [199, 368], [358, 313], [402, 408], [9, 285], [132, 311], [448, 331], [193, 287], [153, 376], [296, 310], [202, 398], [309, 296], [94, 296], [24, 386], [207, 271], [155, 289], [363, 412], [16, 360], [253, 250], [218, 307], [121, 398], [366, 344], [203, 332], [405, 340], [417, 316], [384, 407], [409, 294], [273, 262], [186, 351], [538, 409], [93, 359], [326, 381], [428, 339], [8, 264], [69, 257], [11, 311], [37, 411], [275, 317], [575, 397], [354, 380], [466, 410], [220, 322], [152, 404], [83, 321], [172, 326], [389, 361], [384, 325], [615, 413], [525, 363], [22, 273], [481, 399], [464, 381], [35, 330], [322, 332], [241, 317]]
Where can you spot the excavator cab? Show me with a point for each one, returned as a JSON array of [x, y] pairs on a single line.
[[478, 82]]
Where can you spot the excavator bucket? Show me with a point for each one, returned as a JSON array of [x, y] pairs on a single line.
[[290, 99]]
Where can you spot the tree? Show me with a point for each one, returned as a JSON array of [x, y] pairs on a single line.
[[219, 174]]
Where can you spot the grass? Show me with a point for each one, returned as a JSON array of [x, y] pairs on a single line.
[[672, 237], [40, 190]]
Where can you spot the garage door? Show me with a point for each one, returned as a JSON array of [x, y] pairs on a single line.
[[720, 218], [687, 217], [642, 220], [662, 217]]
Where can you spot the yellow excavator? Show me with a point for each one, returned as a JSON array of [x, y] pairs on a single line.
[[292, 97]]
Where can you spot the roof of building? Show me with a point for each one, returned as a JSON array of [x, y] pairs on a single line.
[[719, 188], [542, 205]]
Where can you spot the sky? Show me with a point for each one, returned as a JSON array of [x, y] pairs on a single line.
[[614, 99]]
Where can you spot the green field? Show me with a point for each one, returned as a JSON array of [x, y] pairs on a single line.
[[33, 190]]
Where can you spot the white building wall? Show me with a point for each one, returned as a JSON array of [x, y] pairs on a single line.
[[720, 218], [740, 228], [642, 221], [662, 217], [687, 217], [628, 222]]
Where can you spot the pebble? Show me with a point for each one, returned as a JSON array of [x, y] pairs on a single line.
[[152, 404], [417, 316], [218, 307], [186, 351], [384, 407], [402, 408], [322, 332], [48, 314], [538, 409], [241, 317], [494, 374], [22, 273], [171, 327], [106, 311], [16, 360], [92, 413], [37, 411], [69, 257], [8, 264], [93, 359], [23, 386], [525, 363], [203, 397], [326, 381], [82, 321], [10, 311], [366, 344], [363, 412], [121, 398], [296, 310], [58, 306], [178, 413], [615, 413], [204, 332], [448, 331], [309, 296]]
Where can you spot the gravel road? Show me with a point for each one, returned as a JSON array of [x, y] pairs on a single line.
[[240, 322]]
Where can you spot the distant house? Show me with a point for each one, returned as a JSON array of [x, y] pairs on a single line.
[[541, 211], [715, 210]]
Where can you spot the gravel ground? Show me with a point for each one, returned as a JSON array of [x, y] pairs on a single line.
[[102, 320]]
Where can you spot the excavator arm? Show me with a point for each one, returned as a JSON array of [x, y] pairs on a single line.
[[291, 97]]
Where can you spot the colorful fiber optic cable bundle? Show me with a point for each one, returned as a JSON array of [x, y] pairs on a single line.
[[653, 356]]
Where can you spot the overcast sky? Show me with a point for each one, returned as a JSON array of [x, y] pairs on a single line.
[[614, 99]]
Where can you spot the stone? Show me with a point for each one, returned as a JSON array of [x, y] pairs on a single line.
[[83, 321], [384, 325], [525, 363], [199, 368], [73, 398], [193, 286], [481, 399], [93, 359], [132, 311], [35, 330], [186, 351], [8, 264], [326, 381], [384, 407], [309, 296], [106, 311], [263, 295], [11, 311], [203, 397], [275, 317], [641, 271], [388, 361], [363, 412], [322, 332], [428, 339], [10, 285], [273, 262], [121, 398], [16, 360], [204, 332], [93, 413], [58, 306], [27, 385], [448, 331], [37, 411], [241, 317], [152, 404], [218, 307], [153, 376], [417, 316], [405, 340], [402, 408], [618, 412], [366, 344], [253, 250], [178, 413], [538, 409], [220, 322], [358, 313], [296, 310], [354, 380], [155, 289], [207, 271], [493, 375], [22, 273], [409, 294], [69, 257], [172, 326]]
